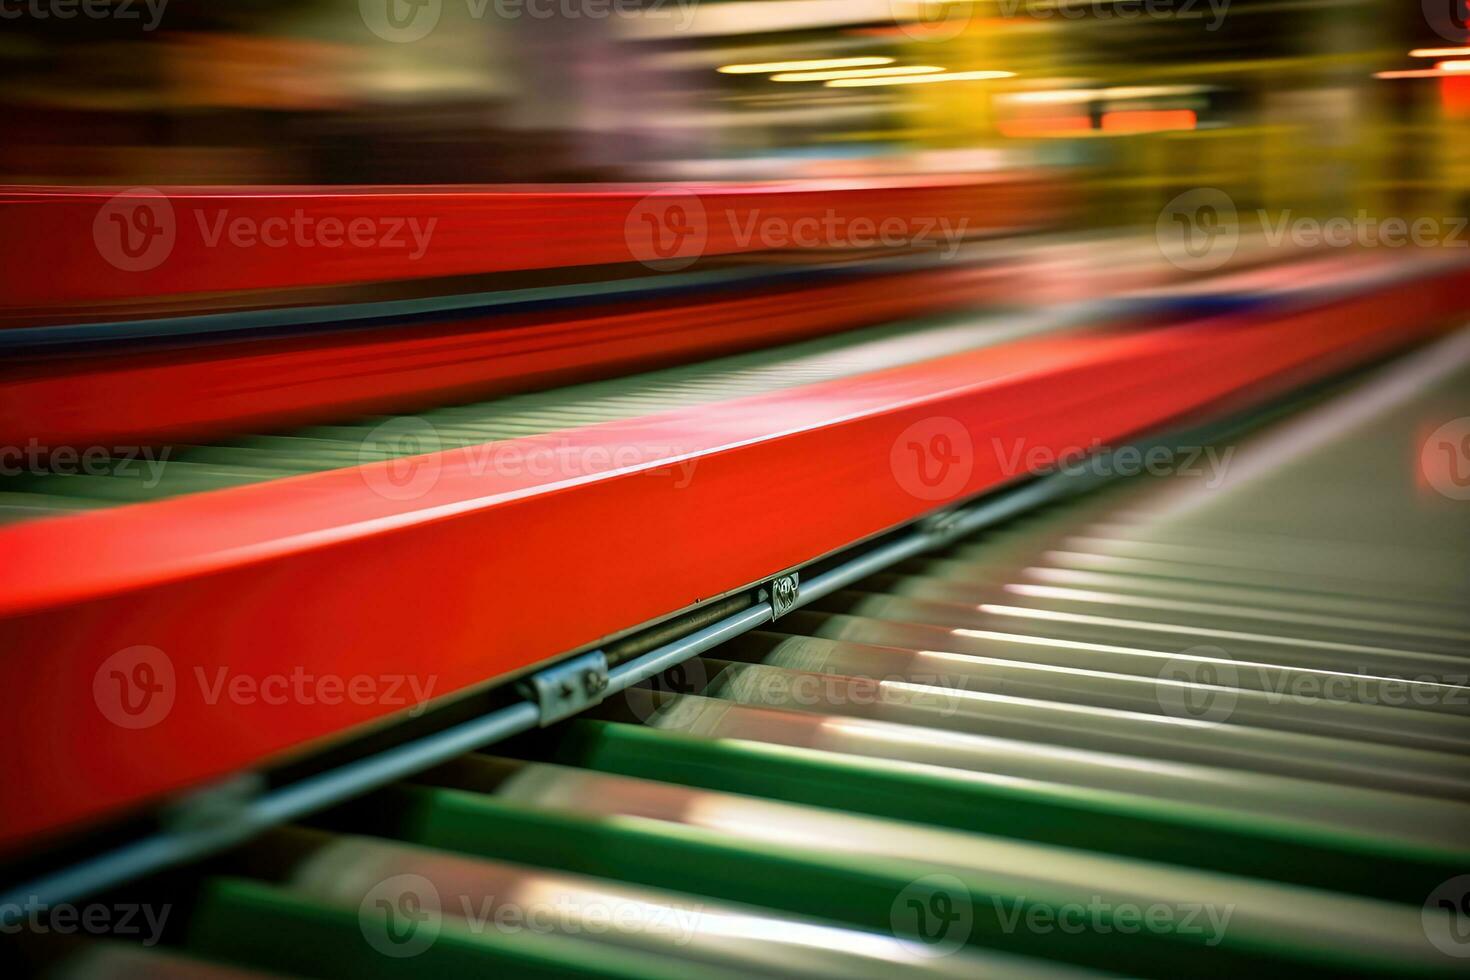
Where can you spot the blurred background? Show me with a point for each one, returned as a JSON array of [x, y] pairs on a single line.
[[1326, 106], [293, 289]]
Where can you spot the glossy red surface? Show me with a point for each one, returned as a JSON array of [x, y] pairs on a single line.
[[494, 568], [69, 247], [127, 399]]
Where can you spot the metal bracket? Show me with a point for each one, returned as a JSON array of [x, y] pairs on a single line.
[[782, 594], [942, 525], [567, 688], [220, 805]]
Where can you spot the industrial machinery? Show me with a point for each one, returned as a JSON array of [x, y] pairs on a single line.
[[652, 498]]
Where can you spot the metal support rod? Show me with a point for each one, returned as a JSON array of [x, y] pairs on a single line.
[[172, 847]]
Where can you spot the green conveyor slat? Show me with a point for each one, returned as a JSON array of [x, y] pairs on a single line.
[[1111, 822], [857, 889], [253, 923]]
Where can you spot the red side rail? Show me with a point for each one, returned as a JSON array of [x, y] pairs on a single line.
[[439, 573], [153, 397], [74, 246]]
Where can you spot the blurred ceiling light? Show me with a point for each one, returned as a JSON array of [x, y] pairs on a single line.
[[1149, 91], [1411, 73], [1442, 70], [774, 66], [958, 76], [1438, 52], [823, 76], [650, 20], [1057, 97], [1072, 96]]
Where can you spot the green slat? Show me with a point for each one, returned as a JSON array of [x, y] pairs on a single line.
[[1108, 822], [858, 891], [248, 922]]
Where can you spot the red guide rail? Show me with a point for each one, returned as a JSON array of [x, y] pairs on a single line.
[[153, 397], [444, 571], [68, 246]]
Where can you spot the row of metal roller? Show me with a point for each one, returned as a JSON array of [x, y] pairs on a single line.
[[1180, 726], [142, 474]]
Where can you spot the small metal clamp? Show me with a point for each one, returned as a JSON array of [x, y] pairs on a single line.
[[943, 525], [220, 807], [567, 688], [782, 594]]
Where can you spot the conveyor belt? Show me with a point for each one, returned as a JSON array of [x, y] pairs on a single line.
[[144, 472], [1212, 725], [175, 470], [618, 518]]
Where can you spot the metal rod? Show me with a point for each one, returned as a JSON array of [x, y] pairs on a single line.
[[172, 847]]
